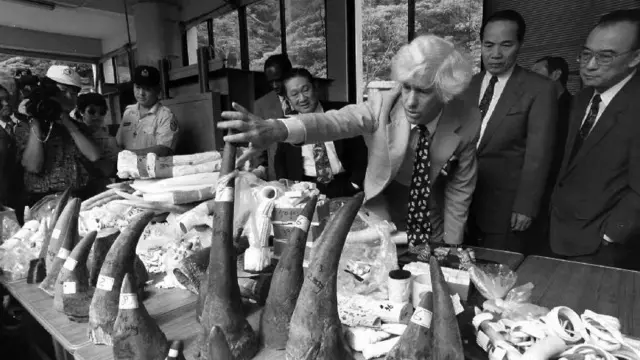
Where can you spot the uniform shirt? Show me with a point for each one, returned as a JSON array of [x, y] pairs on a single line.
[[157, 127], [309, 163], [497, 92]]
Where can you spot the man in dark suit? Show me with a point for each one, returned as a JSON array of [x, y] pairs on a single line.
[[9, 169], [595, 207], [345, 160], [273, 105], [519, 111]]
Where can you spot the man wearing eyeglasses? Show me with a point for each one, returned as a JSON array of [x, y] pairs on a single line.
[[595, 207]]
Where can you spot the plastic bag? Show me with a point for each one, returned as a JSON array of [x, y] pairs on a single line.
[[43, 209], [8, 223], [516, 305], [365, 263], [493, 281]]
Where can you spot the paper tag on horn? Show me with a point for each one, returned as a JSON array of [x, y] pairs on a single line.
[[457, 305], [302, 223], [55, 234], [70, 264], [173, 353], [69, 287], [422, 317], [225, 194], [105, 283], [128, 301], [483, 340], [63, 253]]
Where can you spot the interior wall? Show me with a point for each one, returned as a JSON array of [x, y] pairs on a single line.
[[158, 33], [31, 40], [557, 28]]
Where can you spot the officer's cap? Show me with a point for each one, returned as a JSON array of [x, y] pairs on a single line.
[[147, 76]]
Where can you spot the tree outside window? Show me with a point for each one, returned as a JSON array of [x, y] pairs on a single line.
[[306, 35], [264, 35], [226, 39]]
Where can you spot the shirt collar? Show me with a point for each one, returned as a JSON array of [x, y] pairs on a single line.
[[611, 92], [319, 108], [432, 125], [153, 109], [502, 77], [14, 121]]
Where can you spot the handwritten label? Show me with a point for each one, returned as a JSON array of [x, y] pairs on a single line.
[[483, 340], [422, 317], [55, 234], [457, 305], [302, 223], [128, 301], [69, 287], [498, 354], [105, 283], [319, 285], [63, 253], [225, 194], [70, 264]]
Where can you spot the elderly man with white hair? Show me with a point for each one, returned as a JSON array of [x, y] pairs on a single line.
[[421, 138]]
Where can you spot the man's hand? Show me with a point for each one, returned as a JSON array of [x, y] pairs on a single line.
[[520, 222], [245, 127]]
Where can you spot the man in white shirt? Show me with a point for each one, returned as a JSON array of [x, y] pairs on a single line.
[[595, 207], [336, 167], [519, 111]]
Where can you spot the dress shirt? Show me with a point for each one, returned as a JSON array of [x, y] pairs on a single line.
[[13, 124], [308, 162], [406, 169], [606, 97], [497, 92]]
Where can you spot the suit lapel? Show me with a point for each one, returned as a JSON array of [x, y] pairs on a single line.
[[577, 113], [444, 142], [607, 120], [398, 130], [510, 95]]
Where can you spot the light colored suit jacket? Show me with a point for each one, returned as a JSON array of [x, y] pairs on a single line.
[[382, 123], [268, 107]]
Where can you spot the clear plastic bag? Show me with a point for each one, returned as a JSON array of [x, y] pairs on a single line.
[[8, 223], [43, 209], [493, 281], [365, 262]]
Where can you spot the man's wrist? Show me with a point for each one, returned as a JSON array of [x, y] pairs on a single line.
[[296, 131], [281, 132]]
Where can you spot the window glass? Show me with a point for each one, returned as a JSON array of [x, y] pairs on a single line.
[[124, 72], [226, 39], [109, 72], [384, 30], [306, 35], [263, 24], [197, 36], [458, 21]]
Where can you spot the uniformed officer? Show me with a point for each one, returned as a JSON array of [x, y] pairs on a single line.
[[148, 126]]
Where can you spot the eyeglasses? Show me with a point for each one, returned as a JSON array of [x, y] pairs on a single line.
[[601, 58]]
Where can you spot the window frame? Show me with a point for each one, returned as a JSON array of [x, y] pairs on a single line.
[[111, 57], [245, 61]]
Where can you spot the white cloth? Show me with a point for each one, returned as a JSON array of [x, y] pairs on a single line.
[[308, 162], [606, 98], [497, 92]]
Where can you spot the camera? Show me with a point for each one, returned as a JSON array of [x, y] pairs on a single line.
[[41, 100]]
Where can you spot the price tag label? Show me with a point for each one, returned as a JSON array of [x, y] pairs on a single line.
[[225, 194], [128, 301], [483, 340], [69, 287], [55, 234], [63, 253], [302, 223], [422, 317], [70, 264], [105, 283], [457, 305]]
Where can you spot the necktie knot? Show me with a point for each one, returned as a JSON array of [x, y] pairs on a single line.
[[595, 101], [493, 81], [423, 130]]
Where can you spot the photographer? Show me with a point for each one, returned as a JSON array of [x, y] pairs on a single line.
[[51, 146]]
